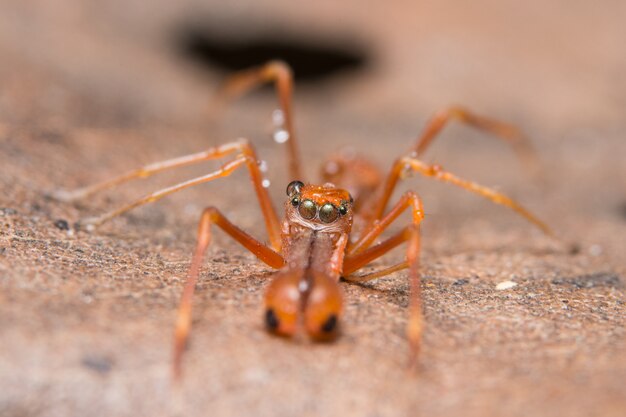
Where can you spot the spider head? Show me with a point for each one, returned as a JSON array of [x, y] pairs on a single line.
[[319, 207]]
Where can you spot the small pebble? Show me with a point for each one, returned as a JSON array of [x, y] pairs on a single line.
[[256, 376], [62, 224], [6, 211], [100, 364], [595, 250], [505, 285]]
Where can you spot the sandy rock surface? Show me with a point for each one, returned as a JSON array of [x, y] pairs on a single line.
[[517, 324]]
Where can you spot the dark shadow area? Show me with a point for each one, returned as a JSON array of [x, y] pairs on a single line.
[[313, 60]]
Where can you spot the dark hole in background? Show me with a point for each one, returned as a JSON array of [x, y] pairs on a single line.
[[312, 60]]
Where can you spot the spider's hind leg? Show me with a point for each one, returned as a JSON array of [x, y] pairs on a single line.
[[279, 73], [412, 164], [506, 132]]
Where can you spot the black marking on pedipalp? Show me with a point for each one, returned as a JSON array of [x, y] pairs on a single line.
[[330, 324], [271, 321]]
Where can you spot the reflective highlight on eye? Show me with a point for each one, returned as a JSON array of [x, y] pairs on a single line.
[[328, 213], [307, 209]]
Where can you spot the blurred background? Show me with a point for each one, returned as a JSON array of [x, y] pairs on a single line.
[[89, 89]]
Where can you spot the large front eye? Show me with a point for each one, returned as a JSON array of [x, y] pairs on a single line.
[[328, 213], [294, 187], [307, 209]]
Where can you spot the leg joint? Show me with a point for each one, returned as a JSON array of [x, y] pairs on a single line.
[[453, 111], [277, 69], [211, 214], [417, 207]]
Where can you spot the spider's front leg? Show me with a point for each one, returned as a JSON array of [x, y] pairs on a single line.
[[361, 254], [211, 216], [245, 155]]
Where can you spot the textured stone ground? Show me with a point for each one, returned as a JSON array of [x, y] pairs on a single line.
[[86, 319]]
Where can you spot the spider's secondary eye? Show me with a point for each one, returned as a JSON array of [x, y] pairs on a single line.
[[343, 209], [307, 209], [295, 201], [294, 187], [328, 213]]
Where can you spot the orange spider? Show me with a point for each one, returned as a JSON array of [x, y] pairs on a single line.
[[313, 247]]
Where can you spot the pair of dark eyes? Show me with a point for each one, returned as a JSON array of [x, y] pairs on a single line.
[[328, 213]]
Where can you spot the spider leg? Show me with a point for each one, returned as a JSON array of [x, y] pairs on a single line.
[[408, 200], [211, 216], [377, 274], [242, 146], [281, 75], [500, 130], [362, 253], [412, 164], [247, 156], [411, 235]]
